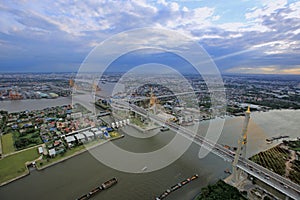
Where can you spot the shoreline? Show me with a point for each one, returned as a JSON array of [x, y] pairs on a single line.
[[79, 152], [27, 171]]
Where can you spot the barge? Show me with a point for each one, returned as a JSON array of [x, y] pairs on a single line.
[[176, 187], [103, 186], [270, 140]]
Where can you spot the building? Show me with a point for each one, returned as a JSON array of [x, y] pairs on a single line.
[[52, 152], [80, 137], [70, 140], [40, 149], [89, 135]]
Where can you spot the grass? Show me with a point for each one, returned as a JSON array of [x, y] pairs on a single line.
[[26, 140], [7, 143], [296, 149], [14, 165], [137, 122]]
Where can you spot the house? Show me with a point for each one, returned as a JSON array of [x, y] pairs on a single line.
[[94, 129], [52, 152], [99, 134], [89, 135], [106, 134], [40, 149], [80, 137], [70, 140], [109, 129]]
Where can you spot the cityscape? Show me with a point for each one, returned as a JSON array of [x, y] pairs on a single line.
[[138, 100]]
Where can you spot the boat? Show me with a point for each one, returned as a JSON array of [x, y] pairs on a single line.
[[103, 186], [194, 177], [270, 140], [94, 191], [84, 197], [184, 182], [176, 187], [109, 183], [144, 168]]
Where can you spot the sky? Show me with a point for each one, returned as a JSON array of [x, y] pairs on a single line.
[[241, 36]]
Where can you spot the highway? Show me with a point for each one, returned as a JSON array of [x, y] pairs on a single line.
[[141, 98], [276, 181]]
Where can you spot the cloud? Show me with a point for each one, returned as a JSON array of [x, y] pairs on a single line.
[[266, 70], [268, 33]]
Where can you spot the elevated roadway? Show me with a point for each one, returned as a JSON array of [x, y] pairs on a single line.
[[272, 179]]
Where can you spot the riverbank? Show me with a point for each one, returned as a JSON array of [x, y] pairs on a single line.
[[220, 191], [14, 167], [25, 169], [282, 159], [87, 147]]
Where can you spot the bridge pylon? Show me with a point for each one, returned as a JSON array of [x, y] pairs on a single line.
[[241, 150]]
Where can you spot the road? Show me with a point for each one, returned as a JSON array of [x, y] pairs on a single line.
[[276, 181]]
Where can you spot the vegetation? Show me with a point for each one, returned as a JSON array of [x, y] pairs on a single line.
[[295, 173], [220, 191], [103, 104], [273, 159], [26, 139], [3, 119], [7, 143], [275, 103], [138, 122], [14, 165], [293, 145]]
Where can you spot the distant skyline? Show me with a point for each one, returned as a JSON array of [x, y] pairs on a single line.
[[241, 36]]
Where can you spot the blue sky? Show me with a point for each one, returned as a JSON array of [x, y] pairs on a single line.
[[242, 36]]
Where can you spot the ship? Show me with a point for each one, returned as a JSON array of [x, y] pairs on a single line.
[[176, 187], [103, 186], [109, 183], [270, 140]]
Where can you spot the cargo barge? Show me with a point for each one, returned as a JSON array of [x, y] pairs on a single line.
[[270, 140], [176, 187], [103, 186]]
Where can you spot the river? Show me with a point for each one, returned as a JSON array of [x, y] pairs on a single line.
[[74, 177]]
